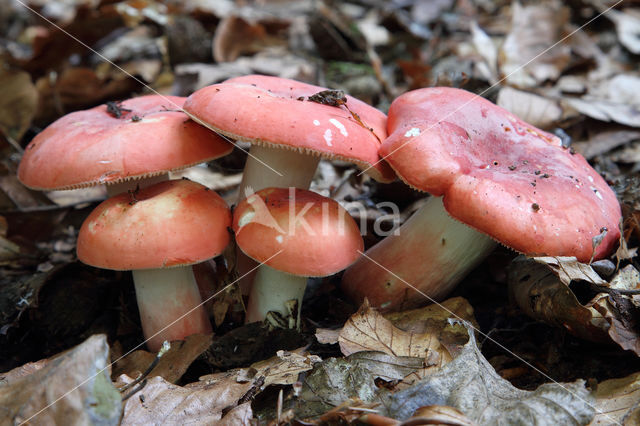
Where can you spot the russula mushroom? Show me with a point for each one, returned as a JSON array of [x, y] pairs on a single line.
[[297, 234], [289, 132], [157, 232], [134, 142], [492, 177]]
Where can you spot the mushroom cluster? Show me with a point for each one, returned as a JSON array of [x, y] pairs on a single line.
[[492, 178]]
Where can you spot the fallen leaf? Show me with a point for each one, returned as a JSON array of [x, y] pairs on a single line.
[[171, 366], [620, 312], [18, 103], [434, 319], [203, 402], [569, 269], [627, 24], [428, 319], [470, 384], [236, 36], [617, 401], [70, 388], [541, 294], [605, 142], [534, 109], [534, 29], [326, 336], [284, 368], [368, 330], [627, 278], [487, 49], [240, 415], [335, 381]]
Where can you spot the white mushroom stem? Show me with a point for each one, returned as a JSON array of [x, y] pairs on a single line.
[[268, 167], [431, 253], [271, 290], [169, 296], [276, 167]]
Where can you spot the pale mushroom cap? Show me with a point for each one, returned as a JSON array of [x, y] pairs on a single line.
[[500, 175], [172, 223], [270, 111], [322, 240], [93, 147]]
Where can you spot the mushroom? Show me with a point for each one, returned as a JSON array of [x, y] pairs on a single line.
[[157, 233], [291, 125], [134, 142], [288, 131], [492, 177], [297, 234]]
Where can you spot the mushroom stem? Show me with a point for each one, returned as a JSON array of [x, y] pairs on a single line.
[[164, 296], [290, 169], [271, 289], [431, 252]]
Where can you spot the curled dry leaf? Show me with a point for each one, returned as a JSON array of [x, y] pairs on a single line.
[[43, 394], [470, 384], [368, 330], [569, 269], [617, 401], [172, 365], [545, 296]]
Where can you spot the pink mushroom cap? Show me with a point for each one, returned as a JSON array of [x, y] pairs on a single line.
[[500, 175], [151, 137], [319, 240], [171, 223], [273, 111]]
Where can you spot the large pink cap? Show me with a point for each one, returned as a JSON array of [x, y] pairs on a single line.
[[500, 175], [151, 136], [171, 223], [297, 231], [274, 111]]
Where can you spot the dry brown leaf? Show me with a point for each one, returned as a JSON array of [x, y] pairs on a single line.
[[534, 29], [540, 293], [617, 401], [327, 336], [620, 312], [240, 415], [160, 402], [534, 109], [282, 369], [236, 36], [569, 269], [18, 103], [172, 365], [368, 330], [43, 389]]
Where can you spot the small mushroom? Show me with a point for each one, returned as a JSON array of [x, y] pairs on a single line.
[[158, 237], [297, 234], [474, 201]]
